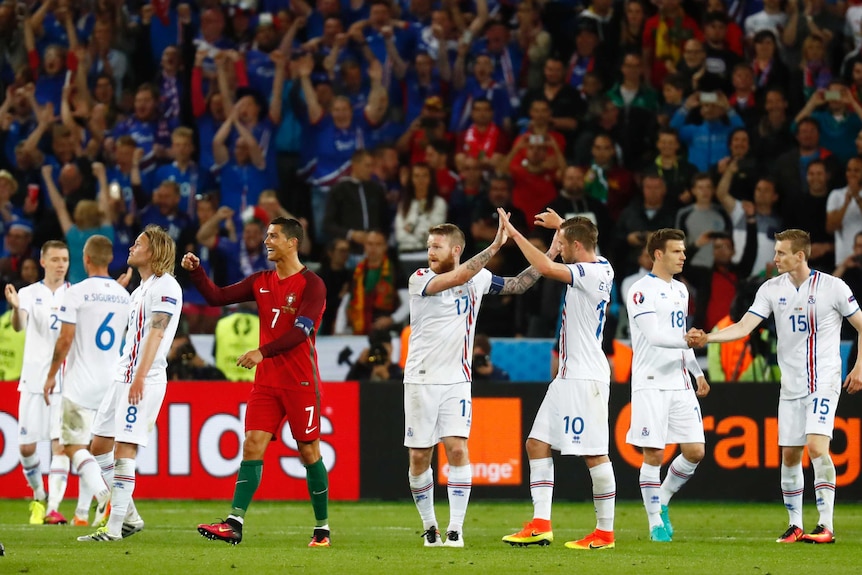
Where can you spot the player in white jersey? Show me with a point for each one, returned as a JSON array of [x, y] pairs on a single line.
[[809, 307], [664, 407], [129, 410], [35, 309], [573, 417], [94, 315], [444, 302]]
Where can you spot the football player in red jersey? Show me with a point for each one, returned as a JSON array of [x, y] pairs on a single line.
[[290, 301]]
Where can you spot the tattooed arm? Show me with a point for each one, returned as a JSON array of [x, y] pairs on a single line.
[[465, 272], [152, 341], [527, 278]]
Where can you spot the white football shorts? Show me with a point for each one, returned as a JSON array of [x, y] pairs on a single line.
[[664, 416], [573, 417], [433, 411], [813, 414], [129, 423], [77, 423], [37, 421]]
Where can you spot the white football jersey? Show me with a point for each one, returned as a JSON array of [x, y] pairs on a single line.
[[442, 328], [99, 309], [584, 315], [157, 294], [808, 324], [658, 367], [43, 328]]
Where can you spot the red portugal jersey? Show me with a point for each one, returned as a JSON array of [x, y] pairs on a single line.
[[290, 311]]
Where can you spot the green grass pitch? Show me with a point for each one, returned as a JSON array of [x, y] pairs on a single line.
[[384, 538]]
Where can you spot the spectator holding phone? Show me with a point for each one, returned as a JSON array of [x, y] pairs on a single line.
[[707, 142], [839, 116]]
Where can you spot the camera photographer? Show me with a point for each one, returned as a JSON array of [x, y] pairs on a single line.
[[184, 363], [375, 361], [482, 366]]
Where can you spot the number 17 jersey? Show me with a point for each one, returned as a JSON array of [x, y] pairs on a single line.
[[443, 326]]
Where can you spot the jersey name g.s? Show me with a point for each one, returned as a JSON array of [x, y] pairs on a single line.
[[99, 309], [658, 367], [808, 325], [156, 294], [584, 314], [443, 327], [43, 328]]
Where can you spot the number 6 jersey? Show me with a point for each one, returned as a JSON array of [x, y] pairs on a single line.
[[98, 307], [808, 325]]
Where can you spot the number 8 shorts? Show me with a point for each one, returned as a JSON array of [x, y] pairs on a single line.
[[129, 423]]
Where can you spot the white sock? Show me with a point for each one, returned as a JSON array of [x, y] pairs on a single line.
[[132, 512], [824, 488], [679, 472], [604, 495], [459, 488], [106, 464], [121, 494], [31, 466], [542, 486], [91, 478], [792, 486], [650, 483], [57, 481], [85, 496], [422, 489]]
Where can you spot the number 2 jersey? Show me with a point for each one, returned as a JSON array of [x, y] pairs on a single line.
[[98, 307], [584, 314], [43, 327], [443, 326], [290, 358], [157, 294], [808, 324]]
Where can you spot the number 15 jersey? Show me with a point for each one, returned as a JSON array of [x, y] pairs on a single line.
[[808, 326], [443, 326]]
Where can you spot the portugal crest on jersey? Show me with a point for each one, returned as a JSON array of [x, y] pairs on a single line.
[[289, 301]]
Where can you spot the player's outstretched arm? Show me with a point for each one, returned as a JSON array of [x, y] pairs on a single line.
[[853, 382], [61, 350], [541, 262], [736, 331], [527, 278], [465, 271], [217, 296]]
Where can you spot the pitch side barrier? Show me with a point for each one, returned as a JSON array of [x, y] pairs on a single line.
[[742, 455], [194, 450]]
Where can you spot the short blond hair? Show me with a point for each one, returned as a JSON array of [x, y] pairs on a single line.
[[100, 250], [451, 231], [800, 241]]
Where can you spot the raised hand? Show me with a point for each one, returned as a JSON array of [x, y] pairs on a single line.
[[190, 262], [548, 219]]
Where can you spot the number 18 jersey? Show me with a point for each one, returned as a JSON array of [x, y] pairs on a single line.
[[808, 325], [98, 307], [658, 367], [443, 326]]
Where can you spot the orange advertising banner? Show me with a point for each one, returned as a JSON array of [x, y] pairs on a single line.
[[495, 445]]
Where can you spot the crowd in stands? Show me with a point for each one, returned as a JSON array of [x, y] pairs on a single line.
[[371, 121]]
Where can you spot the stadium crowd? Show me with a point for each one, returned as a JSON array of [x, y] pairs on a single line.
[[373, 121]]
